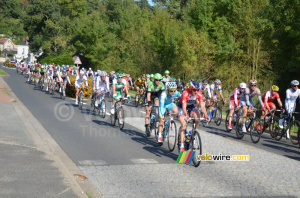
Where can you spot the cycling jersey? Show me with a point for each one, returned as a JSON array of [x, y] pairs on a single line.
[[80, 80], [190, 100], [155, 90], [65, 78], [101, 85], [166, 101], [238, 96], [253, 93], [215, 89], [140, 83], [205, 90], [290, 101], [270, 97], [119, 86], [166, 79]]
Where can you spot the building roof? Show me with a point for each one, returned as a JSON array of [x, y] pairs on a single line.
[[3, 40]]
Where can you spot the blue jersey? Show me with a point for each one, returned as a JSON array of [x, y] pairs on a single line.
[[166, 101]]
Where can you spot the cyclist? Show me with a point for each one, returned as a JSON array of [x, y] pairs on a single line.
[[189, 103], [167, 77], [166, 101], [112, 76], [153, 92], [101, 87], [90, 73], [151, 78], [267, 98], [118, 85], [240, 99], [290, 102], [216, 87], [253, 92], [205, 90], [42, 75], [180, 86], [63, 80], [139, 87], [80, 82], [50, 78]]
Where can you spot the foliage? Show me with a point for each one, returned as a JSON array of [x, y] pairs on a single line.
[[71, 92], [194, 39]]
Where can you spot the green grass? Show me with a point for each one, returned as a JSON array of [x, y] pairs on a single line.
[[88, 195], [2, 73]]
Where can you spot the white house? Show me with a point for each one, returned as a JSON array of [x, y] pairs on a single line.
[[23, 51]]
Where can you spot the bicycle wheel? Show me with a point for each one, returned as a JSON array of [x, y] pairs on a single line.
[[80, 100], [256, 130], [113, 119], [239, 127], [218, 116], [154, 129], [136, 101], [272, 126], [172, 136], [227, 122], [121, 117], [294, 130], [196, 145], [103, 108]]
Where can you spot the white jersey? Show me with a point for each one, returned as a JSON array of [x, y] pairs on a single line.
[[101, 84], [290, 101], [50, 73], [204, 89], [79, 81]]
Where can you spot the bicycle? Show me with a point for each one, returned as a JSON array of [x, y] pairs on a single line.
[[216, 112], [170, 130], [62, 93], [292, 128], [80, 99], [192, 142], [41, 84], [233, 121], [119, 114], [93, 99], [102, 110], [154, 121], [253, 125], [269, 122], [139, 99]]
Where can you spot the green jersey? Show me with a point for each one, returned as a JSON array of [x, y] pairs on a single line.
[[119, 85], [154, 89]]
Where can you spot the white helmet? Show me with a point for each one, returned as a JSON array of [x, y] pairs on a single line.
[[295, 82], [171, 85], [243, 85]]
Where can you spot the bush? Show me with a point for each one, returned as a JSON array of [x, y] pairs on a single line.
[[8, 64], [70, 90]]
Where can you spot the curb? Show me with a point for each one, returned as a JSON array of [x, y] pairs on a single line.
[[44, 142]]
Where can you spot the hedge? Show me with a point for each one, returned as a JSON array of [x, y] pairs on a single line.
[[70, 90]]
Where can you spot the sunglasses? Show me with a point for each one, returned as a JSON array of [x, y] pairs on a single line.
[[120, 77], [157, 80], [172, 90], [295, 85], [195, 90], [253, 85]]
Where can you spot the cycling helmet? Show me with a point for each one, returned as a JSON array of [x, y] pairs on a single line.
[[167, 72], [171, 85], [275, 88], [151, 76], [243, 85], [295, 82], [120, 75], [204, 81], [194, 85], [147, 75], [64, 70], [42, 67], [105, 73], [81, 72], [98, 72], [217, 81], [252, 82], [102, 73], [128, 75], [157, 76]]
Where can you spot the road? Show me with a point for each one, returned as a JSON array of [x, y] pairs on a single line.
[[103, 151]]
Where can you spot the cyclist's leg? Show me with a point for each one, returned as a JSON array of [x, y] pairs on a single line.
[[183, 127], [196, 114], [231, 110]]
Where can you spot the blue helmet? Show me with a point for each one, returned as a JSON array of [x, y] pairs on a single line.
[[194, 85]]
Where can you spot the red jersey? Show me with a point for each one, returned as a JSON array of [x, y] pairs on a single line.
[[187, 98], [270, 97]]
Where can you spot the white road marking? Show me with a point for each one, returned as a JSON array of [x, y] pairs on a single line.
[[143, 112], [144, 161], [92, 163]]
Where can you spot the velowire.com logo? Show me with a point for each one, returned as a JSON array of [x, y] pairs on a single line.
[[186, 157]]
